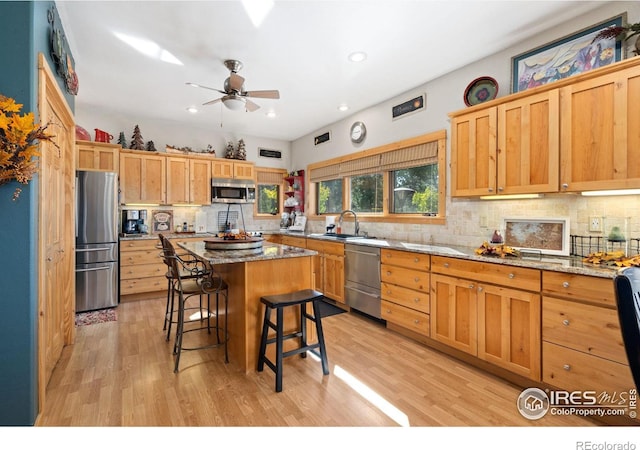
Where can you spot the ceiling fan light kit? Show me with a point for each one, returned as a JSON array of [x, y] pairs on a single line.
[[236, 98]]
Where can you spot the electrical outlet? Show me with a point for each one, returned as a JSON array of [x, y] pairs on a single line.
[[595, 224]]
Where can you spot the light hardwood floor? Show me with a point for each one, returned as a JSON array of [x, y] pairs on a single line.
[[121, 374]]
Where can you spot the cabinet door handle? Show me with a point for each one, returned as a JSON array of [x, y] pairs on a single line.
[[512, 276], [416, 279], [565, 284], [471, 286], [480, 288], [416, 321], [566, 367], [500, 188], [416, 300], [388, 273], [490, 189], [416, 260], [565, 322], [446, 264], [388, 311], [565, 185], [388, 292]]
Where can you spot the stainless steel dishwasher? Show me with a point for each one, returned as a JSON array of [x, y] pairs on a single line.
[[362, 278]]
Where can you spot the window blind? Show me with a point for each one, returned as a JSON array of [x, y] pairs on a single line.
[[269, 177], [324, 173], [404, 158]]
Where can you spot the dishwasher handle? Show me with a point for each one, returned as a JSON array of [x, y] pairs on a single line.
[[369, 294]]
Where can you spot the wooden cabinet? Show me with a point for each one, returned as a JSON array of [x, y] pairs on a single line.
[[294, 241], [97, 156], [600, 145], [405, 289], [200, 181], [142, 177], [188, 180], [225, 168], [499, 323], [582, 127], [511, 148], [582, 345], [177, 180], [141, 269], [328, 268]]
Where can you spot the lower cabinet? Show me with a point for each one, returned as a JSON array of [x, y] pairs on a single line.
[[496, 323], [141, 269], [582, 346], [405, 289], [328, 268]]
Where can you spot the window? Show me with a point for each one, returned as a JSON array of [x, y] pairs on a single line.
[[415, 190], [269, 191], [403, 182], [268, 199], [329, 198], [366, 193]]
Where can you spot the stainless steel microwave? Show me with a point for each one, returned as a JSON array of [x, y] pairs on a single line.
[[225, 190]]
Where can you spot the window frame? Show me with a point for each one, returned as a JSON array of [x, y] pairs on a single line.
[[268, 171], [386, 215]]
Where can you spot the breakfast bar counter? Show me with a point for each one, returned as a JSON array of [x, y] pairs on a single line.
[[251, 274]]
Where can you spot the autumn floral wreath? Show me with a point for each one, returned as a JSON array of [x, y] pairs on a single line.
[[19, 137]]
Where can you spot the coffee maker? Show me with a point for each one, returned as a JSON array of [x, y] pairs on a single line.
[[133, 221]]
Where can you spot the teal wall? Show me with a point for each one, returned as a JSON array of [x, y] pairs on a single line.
[[24, 32]]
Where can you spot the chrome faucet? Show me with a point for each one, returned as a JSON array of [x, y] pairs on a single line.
[[355, 220]]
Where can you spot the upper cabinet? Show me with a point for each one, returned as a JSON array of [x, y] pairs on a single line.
[[229, 168], [571, 135], [142, 177], [600, 144], [98, 156]]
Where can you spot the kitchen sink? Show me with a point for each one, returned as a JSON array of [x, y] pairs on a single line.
[[342, 236]]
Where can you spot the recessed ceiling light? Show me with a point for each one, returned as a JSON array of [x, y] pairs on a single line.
[[270, 114], [357, 56], [192, 109], [343, 108]]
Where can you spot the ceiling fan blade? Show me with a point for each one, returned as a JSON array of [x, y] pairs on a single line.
[[262, 94], [205, 87], [236, 82], [212, 102], [251, 106]]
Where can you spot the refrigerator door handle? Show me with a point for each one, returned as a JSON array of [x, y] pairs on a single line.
[[92, 249], [76, 203], [93, 269]]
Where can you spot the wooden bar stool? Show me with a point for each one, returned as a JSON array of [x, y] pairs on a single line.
[[279, 302]]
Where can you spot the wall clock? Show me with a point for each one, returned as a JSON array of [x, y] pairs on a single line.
[[358, 132]]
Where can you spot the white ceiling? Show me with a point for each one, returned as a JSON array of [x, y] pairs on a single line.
[[301, 49]]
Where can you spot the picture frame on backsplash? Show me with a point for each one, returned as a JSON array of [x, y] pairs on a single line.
[[162, 221], [549, 236], [573, 54]]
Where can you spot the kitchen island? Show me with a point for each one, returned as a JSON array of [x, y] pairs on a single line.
[[251, 274]]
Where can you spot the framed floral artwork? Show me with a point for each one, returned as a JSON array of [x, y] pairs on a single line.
[[567, 56]]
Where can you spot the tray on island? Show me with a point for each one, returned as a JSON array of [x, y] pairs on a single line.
[[216, 243]]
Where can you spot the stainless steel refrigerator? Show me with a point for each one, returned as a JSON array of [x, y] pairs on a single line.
[[96, 240]]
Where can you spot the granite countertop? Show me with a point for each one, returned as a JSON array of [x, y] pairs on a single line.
[[268, 251], [565, 264], [133, 237]]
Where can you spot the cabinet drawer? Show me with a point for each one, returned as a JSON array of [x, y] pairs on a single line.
[[406, 297], [140, 257], [139, 285], [143, 271], [410, 260], [573, 370], [140, 244], [502, 274], [579, 287], [412, 279], [294, 241], [405, 317], [333, 248], [587, 328]]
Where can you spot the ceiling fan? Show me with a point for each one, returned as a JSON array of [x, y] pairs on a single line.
[[235, 97]]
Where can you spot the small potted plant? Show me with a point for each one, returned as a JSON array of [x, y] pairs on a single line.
[[622, 33], [19, 137]]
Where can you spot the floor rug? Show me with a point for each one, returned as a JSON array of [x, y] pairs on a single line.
[[97, 316], [327, 309]]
